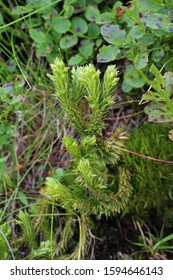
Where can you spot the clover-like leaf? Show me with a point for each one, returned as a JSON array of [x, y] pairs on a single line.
[[61, 24], [157, 21], [126, 87], [107, 53], [147, 39], [7, 89], [20, 10], [37, 35], [86, 47], [92, 13], [132, 77], [154, 5], [79, 26], [113, 34], [43, 48], [104, 18], [135, 32], [68, 41], [37, 3], [93, 30], [159, 113], [68, 10], [161, 108], [141, 60], [75, 60], [158, 54]]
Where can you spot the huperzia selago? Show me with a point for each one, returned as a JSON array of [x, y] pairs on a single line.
[[98, 185]]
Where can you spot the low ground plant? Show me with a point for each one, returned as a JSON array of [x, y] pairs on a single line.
[[152, 177], [96, 186], [85, 167]]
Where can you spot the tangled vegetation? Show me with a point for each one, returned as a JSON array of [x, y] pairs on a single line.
[[86, 102]]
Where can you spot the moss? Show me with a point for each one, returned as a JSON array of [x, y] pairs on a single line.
[[152, 181]]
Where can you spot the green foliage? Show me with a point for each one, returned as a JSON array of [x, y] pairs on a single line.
[[10, 103], [99, 96], [43, 252], [155, 246], [32, 33], [160, 108], [95, 189], [56, 25], [151, 181], [27, 241], [27, 229], [138, 32], [142, 34], [5, 234]]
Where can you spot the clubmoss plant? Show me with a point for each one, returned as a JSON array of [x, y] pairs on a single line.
[[94, 188]]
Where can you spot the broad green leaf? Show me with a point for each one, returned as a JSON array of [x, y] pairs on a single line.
[[152, 5], [135, 32], [153, 96], [2, 166], [23, 198], [68, 11], [104, 18], [157, 21], [92, 13], [126, 87], [37, 35], [158, 54], [44, 48], [75, 60], [79, 26], [133, 78], [7, 89], [158, 112], [147, 39], [86, 47], [49, 14], [68, 41], [39, 2], [93, 30], [134, 82], [61, 24], [168, 84], [107, 53], [153, 69], [59, 173], [141, 60], [80, 4], [113, 34], [20, 10]]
